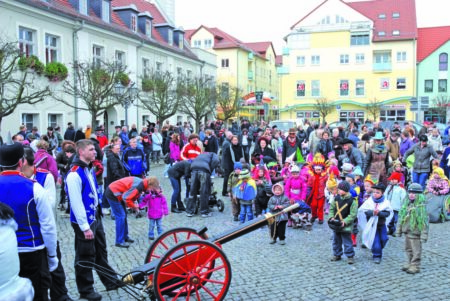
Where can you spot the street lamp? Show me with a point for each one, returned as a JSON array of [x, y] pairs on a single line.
[[126, 95]]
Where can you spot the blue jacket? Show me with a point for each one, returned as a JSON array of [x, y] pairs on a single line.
[[134, 161], [124, 137]]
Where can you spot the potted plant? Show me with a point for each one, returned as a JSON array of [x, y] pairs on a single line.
[[31, 62], [147, 85], [56, 71], [100, 76], [123, 79]]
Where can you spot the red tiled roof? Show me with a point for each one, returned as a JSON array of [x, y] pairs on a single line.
[[188, 34], [279, 60], [260, 47], [406, 23], [430, 39]]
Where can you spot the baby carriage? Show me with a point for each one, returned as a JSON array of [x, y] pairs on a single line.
[[213, 201]]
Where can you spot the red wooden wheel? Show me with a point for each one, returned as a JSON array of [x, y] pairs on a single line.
[[186, 269], [169, 239]]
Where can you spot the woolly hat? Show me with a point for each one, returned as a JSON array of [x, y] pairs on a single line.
[[350, 175], [415, 188], [237, 165], [344, 186], [277, 185], [347, 168], [295, 168], [331, 182], [11, 154], [245, 174], [396, 176]]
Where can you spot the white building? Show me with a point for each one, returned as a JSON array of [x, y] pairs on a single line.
[[134, 32]]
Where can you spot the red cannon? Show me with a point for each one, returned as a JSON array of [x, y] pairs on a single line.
[[186, 264]]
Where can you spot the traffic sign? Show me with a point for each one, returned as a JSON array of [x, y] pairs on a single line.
[[259, 96]]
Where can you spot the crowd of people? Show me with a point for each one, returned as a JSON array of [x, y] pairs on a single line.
[[360, 179]]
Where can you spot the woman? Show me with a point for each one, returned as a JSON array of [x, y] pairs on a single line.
[[148, 148], [115, 168], [435, 140], [157, 141], [210, 142], [377, 160], [364, 143], [325, 145], [406, 143], [277, 144], [231, 154], [246, 141], [62, 160], [175, 147], [42, 159], [263, 149], [52, 140]]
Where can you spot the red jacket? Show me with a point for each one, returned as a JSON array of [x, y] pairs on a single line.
[[128, 189], [102, 141], [190, 152]]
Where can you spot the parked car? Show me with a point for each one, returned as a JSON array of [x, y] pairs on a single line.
[[283, 125]]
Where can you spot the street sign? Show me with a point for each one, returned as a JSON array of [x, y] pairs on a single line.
[[424, 102], [259, 96]]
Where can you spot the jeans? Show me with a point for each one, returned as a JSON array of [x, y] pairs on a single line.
[[156, 156], [151, 226], [380, 241], [188, 187], [118, 208], [246, 210], [420, 178], [166, 169], [343, 238], [176, 194]]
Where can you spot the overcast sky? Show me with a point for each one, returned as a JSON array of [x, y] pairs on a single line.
[[270, 20]]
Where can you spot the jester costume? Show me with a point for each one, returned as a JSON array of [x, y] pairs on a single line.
[[316, 187]]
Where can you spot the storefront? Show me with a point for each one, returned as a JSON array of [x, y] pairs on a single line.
[[346, 116], [393, 112]]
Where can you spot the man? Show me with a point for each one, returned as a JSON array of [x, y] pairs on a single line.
[[353, 136], [70, 132], [118, 130], [201, 169], [226, 172], [58, 289], [133, 159], [291, 146], [121, 194], [350, 154], [34, 131], [124, 136], [85, 217], [59, 136], [102, 139], [36, 234], [22, 130]]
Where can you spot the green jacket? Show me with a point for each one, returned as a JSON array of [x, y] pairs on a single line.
[[348, 216]]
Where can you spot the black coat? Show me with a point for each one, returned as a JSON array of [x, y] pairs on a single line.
[[301, 135], [115, 169], [213, 144], [69, 134], [180, 169], [227, 159], [79, 135]]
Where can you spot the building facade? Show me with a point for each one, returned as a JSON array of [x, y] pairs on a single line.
[[133, 33], [351, 55]]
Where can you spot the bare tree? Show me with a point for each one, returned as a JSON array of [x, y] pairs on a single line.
[[324, 107], [198, 99], [373, 108], [440, 105], [18, 84], [94, 87], [161, 94], [228, 101]]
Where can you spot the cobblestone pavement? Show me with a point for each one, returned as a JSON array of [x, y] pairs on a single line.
[[299, 270]]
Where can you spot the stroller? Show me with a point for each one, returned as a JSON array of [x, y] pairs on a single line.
[[213, 201], [301, 217]]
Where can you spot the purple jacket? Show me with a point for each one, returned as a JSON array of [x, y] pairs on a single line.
[[43, 160], [174, 151], [156, 204], [405, 145]]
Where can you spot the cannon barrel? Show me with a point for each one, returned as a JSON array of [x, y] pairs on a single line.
[[140, 274]]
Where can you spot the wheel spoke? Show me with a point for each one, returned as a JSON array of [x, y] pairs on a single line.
[[197, 294], [188, 293], [189, 235], [164, 245], [209, 292], [180, 291], [175, 238], [173, 285], [156, 256], [214, 281], [209, 260], [174, 275], [187, 258], [209, 271], [177, 264]]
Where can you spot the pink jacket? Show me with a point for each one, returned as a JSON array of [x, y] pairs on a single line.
[[43, 160], [174, 151], [156, 204], [295, 188]]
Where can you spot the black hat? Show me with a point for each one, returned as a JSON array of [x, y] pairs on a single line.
[[379, 186], [98, 129], [11, 154], [346, 141], [50, 128], [423, 138], [344, 186], [117, 127]]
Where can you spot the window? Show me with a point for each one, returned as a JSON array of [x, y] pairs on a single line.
[[381, 33], [395, 15], [315, 60], [382, 57], [384, 83], [106, 10], [301, 88], [197, 43], [225, 63], [208, 44], [382, 16], [133, 24], [181, 40], [359, 87], [343, 88], [225, 90], [148, 28], [301, 60], [189, 74], [443, 61], [120, 58], [359, 39], [29, 120], [179, 72], [27, 41], [401, 83], [145, 68], [159, 67], [401, 57], [344, 59], [170, 36], [442, 85], [396, 32], [428, 86], [360, 58], [394, 115], [83, 7], [51, 48], [54, 119], [97, 55], [315, 88]]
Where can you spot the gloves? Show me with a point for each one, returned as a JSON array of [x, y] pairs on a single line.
[[369, 213], [52, 263]]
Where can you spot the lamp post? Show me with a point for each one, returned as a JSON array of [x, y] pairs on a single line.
[[127, 95]]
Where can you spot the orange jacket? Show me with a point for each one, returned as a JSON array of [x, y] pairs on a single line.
[[128, 189]]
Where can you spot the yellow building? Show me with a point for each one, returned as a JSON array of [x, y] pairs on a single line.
[[247, 66], [351, 55]]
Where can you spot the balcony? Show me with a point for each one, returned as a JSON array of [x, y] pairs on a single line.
[[250, 75], [250, 56], [283, 70], [382, 67]]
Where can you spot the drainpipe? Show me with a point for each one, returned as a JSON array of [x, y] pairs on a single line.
[[137, 72], [76, 29]]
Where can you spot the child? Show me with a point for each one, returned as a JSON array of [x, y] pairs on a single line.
[[262, 178], [354, 192], [286, 170], [368, 183], [295, 188], [157, 207], [277, 203], [330, 191], [343, 213], [233, 179], [438, 183], [373, 216], [395, 194], [397, 166], [359, 182], [245, 192], [316, 187], [413, 221]]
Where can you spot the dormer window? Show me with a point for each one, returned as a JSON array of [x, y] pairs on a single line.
[[381, 33], [148, 28], [83, 7], [181, 40], [133, 23], [170, 37], [396, 32], [382, 16], [106, 11], [395, 15]]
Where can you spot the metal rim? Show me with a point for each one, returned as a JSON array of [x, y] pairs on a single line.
[[185, 268]]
